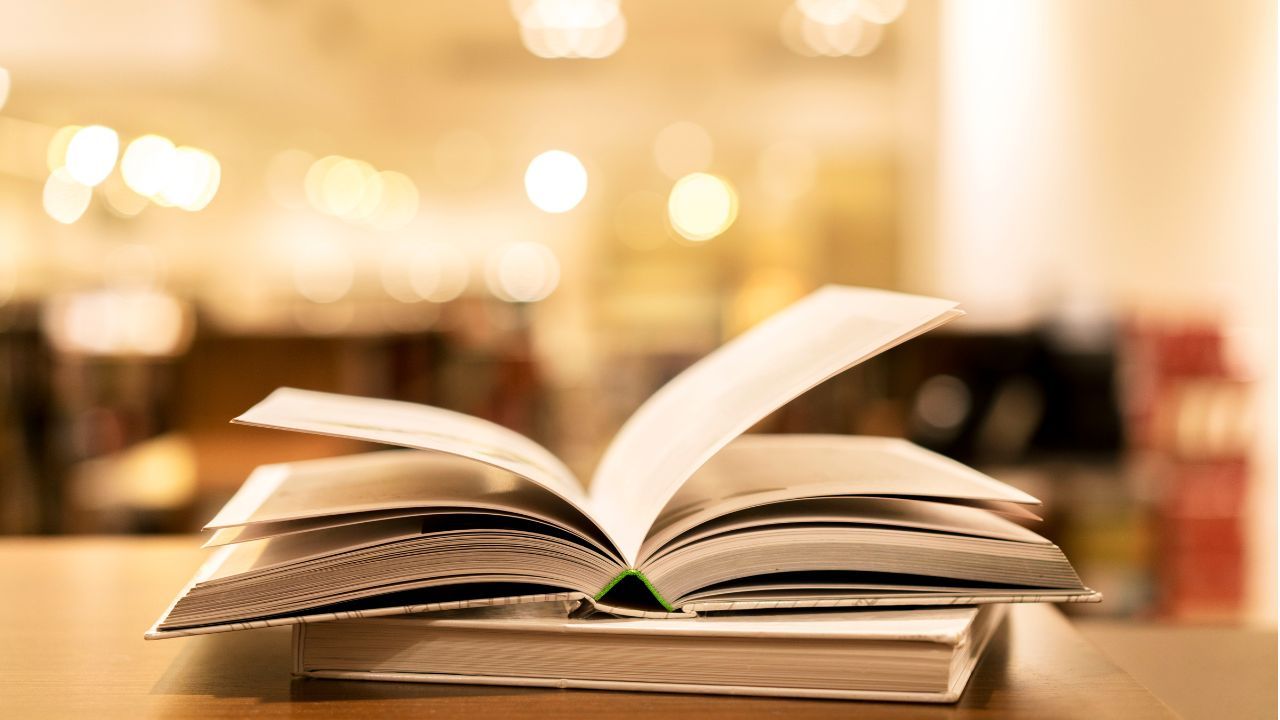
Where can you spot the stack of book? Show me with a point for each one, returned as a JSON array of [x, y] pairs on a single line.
[[839, 566]]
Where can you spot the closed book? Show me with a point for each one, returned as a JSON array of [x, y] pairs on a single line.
[[917, 655]]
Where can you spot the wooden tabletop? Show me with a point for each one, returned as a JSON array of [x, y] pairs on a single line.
[[72, 614]]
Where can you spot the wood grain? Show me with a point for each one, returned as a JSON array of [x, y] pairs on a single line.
[[72, 614]]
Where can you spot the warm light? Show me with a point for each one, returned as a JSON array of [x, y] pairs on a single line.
[[828, 12], [702, 206], [323, 272], [56, 153], [192, 181], [881, 12], [148, 164], [345, 186], [371, 195], [682, 148], [398, 203], [826, 28], [109, 322], [355, 191], [120, 199], [854, 37], [523, 272], [571, 28], [768, 289], [313, 182], [438, 272], [556, 181], [432, 271], [91, 154], [4, 87], [65, 200]]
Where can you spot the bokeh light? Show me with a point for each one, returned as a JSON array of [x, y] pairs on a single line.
[[523, 272], [120, 200], [701, 206], [65, 199], [834, 28], [193, 180], [413, 271], [344, 186], [590, 29], [56, 151], [881, 12], [437, 272], [313, 181], [556, 181], [112, 322], [352, 190], [828, 12], [942, 404], [398, 203], [148, 164], [681, 148], [91, 154]]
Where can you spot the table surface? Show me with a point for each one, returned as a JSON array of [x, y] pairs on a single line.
[[73, 610]]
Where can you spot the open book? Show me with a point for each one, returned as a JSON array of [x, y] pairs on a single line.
[[682, 516], [922, 655]]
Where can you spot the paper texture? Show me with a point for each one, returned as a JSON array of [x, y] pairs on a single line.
[[737, 385], [391, 481], [411, 425], [757, 470]]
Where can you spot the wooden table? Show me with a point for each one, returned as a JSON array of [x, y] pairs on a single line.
[[73, 610]]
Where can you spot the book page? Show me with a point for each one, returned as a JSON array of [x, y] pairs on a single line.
[[354, 489], [718, 398], [761, 469], [877, 511], [422, 427]]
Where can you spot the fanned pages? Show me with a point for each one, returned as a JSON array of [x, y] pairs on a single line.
[[682, 518]]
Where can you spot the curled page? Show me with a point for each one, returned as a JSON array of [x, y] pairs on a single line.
[[721, 396], [416, 426]]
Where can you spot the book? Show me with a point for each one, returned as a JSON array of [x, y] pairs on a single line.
[[923, 655], [684, 514]]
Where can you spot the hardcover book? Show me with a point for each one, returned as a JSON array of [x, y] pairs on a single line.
[[898, 655]]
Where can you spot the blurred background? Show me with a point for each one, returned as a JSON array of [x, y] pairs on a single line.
[[538, 211]]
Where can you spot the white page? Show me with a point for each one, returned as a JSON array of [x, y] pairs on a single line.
[[421, 427], [393, 480], [893, 512], [728, 391], [758, 469]]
